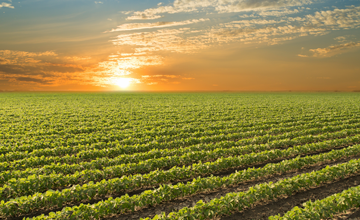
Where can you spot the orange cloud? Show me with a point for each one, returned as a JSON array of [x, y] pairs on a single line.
[[335, 49], [160, 24], [148, 44]]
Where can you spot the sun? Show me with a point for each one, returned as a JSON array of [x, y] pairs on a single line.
[[122, 82]]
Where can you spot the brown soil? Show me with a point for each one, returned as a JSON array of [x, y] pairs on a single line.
[[261, 211], [191, 200], [352, 214], [281, 206]]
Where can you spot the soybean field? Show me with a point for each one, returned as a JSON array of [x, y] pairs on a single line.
[[190, 156]]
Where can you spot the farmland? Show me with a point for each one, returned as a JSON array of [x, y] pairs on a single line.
[[179, 156]]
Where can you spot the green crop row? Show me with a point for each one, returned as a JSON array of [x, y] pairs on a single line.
[[52, 199], [87, 155], [104, 187], [107, 125], [116, 133], [325, 208], [104, 163], [240, 201], [111, 122], [231, 202], [227, 134], [138, 137]]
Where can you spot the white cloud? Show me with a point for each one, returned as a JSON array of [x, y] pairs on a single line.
[[221, 6], [266, 34], [6, 5], [302, 55], [256, 27], [138, 26], [99, 2], [278, 12], [251, 29], [143, 17], [340, 38], [258, 22], [335, 49], [241, 5], [337, 18], [174, 40]]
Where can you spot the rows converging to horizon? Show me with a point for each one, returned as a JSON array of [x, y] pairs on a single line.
[[177, 156]]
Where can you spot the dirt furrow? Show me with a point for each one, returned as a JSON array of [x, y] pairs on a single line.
[[190, 201], [281, 206]]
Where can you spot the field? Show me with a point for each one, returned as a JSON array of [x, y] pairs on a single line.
[[179, 156]]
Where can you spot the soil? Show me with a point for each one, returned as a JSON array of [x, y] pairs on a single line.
[[260, 211], [190, 201], [352, 214], [281, 206]]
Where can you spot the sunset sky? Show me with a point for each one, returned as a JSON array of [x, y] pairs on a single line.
[[179, 45]]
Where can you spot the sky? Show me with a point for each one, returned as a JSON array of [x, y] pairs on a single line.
[[180, 45]]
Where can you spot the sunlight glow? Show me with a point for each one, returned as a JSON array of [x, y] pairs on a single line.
[[122, 82]]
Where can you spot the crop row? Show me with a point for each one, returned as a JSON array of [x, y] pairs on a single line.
[[229, 134], [152, 155], [116, 151], [107, 122], [165, 127], [216, 207], [112, 139], [121, 134], [261, 192], [160, 124], [325, 208], [21, 187], [52, 199]]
